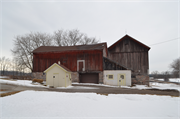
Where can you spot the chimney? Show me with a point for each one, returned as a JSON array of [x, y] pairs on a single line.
[[59, 62]]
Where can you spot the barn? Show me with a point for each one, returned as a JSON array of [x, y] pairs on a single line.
[[133, 55], [85, 61], [89, 62]]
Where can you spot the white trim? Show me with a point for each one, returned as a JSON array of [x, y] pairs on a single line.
[[78, 64]]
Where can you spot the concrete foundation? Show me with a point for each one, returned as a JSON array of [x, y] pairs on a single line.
[[141, 80], [75, 77], [101, 74]]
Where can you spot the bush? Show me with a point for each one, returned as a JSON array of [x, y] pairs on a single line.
[[37, 80]]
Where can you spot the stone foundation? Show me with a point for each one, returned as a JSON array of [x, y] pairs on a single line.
[[75, 77], [39, 75], [101, 74], [141, 80]]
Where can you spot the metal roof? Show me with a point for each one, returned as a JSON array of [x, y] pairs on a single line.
[[98, 46], [65, 68]]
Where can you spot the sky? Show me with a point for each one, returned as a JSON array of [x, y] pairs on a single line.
[[148, 21]]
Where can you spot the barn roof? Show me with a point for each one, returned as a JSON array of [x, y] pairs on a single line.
[[98, 46], [127, 36]]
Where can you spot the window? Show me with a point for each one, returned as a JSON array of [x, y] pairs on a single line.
[[110, 76], [53, 76], [121, 76]]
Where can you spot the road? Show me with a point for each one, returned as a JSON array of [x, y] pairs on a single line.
[[91, 89]]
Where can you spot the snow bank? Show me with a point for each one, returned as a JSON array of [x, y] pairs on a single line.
[[21, 82], [41, 104], [171, 80], [4, 77], [164, 86]]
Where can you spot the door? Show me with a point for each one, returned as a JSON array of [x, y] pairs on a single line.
[[89, 78], [80, 66], [121, 79], [56, 79]]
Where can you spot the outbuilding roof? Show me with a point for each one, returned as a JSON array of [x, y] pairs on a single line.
[[70, 48], [60, 66], [127, 36]]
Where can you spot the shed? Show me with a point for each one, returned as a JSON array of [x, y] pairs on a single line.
[[58, 75], [117, 77]]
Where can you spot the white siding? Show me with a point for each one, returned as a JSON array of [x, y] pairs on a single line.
[[115, 73]]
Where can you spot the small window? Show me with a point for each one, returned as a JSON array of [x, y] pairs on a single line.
[[126, 41], [110, 76], [122, 76], [53, 76]]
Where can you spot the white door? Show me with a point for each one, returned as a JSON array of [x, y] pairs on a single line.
[[56, 79], [121, 79]]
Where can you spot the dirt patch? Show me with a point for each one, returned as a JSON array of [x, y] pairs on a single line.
[[168, 90], [3, 90], [103, 94], [9, 93]]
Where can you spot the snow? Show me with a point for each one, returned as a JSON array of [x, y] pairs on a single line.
[[41, 104], [4, 77], [21, 82], [164, 86], [174, 80], [171, 80]]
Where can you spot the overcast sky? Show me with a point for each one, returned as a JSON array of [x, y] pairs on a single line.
[[148, 21]]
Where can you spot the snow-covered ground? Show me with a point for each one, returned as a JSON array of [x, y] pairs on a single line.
[[171, 80], [21, 82], [41, 104], [165, 86], [4, 77]]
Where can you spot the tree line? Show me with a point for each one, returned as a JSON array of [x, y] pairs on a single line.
[[175, 73]]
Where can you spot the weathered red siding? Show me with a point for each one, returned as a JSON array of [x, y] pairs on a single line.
[[93, 60], [131, 54]]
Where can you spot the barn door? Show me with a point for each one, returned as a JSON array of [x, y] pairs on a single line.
[[121, 79], [80, 66], [56, 80]]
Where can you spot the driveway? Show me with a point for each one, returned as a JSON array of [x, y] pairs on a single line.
[[91, 89]]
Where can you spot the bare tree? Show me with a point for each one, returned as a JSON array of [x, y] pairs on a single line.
[[72, 37], [175, 65], [4, 64], [24, 45], [59, 37]]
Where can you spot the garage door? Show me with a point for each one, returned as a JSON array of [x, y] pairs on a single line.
[[89, 78]]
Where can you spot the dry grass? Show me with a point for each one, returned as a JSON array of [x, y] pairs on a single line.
[[9, 93], [38, 80], [103, 94], [2, 90]]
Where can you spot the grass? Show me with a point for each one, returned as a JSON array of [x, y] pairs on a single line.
[[9, 93]]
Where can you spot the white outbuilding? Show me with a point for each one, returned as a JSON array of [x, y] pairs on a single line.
[[58, 75], [117, 77]]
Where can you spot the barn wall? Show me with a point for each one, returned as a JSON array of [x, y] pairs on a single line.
[[93, 60], [130, 54]]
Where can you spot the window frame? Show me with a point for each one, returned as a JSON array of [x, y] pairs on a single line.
[[110, 78]]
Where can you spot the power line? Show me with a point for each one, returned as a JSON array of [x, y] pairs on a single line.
[[164, 41]]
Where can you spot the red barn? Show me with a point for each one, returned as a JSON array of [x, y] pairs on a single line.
[[85, 61]]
